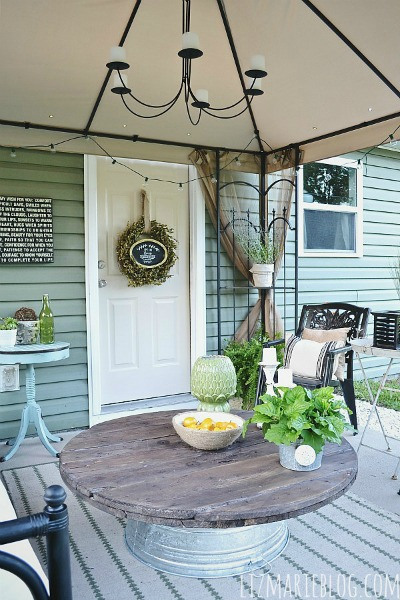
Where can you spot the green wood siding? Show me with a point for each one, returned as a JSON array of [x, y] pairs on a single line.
[[61, 387], [364, 281]]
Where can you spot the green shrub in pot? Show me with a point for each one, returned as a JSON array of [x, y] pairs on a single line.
[[301, 416], [246, 356]]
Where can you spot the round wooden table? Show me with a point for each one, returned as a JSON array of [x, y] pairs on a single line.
[[192, 512]]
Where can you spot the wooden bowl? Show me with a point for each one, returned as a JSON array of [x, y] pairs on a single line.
[[204, 439]]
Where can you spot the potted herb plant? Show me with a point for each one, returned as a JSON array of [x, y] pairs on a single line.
[[262, 253], [300, 421], [263, 256], [8, 331]]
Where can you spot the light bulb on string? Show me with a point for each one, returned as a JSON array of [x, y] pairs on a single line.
[[237, 161], [52, 149], [213, 179], [180, 187], [145, 182], [13, 154]]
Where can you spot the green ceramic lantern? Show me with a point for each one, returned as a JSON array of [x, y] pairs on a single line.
[[213, 382]]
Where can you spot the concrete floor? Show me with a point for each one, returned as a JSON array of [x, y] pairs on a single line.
[[374, 482]]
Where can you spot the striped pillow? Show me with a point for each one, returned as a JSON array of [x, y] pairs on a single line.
[[309, 359]]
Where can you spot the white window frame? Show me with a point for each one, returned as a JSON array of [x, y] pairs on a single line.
[[357, 210]]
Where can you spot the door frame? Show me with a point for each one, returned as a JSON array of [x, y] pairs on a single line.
[[197, 287]]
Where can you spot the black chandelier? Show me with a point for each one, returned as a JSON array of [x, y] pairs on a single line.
[[199, 99]]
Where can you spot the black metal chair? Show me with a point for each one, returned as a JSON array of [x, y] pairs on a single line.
[[53, 523], [330, 315]]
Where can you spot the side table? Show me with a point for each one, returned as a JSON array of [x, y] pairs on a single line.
[[364, 346], [29, 355]]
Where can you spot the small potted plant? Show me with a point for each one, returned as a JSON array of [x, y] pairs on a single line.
[[261, 252], [28, 326], [300, 421], [8, 331]]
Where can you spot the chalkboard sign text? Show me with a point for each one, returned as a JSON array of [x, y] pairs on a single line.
[[148, 253], [26, 230]]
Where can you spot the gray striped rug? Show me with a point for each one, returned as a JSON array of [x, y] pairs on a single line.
[[348, 549]]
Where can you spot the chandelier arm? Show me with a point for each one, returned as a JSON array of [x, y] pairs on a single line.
[[147, 116], [236, 103], [152, 105], [228, 116], [194, 123], [211, 107]]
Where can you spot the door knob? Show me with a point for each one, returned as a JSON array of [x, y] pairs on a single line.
[[101, 264], [102, 283]]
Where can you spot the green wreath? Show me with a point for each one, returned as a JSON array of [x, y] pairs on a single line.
[[136, 274]]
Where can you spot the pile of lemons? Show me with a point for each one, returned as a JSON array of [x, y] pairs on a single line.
[[208, 424]]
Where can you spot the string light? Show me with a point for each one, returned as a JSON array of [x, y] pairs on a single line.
[[212, 177]]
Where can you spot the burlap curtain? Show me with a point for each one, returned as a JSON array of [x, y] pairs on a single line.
[[281, 194]]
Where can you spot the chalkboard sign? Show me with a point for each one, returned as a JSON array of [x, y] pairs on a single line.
[[148, 253], [26, 230]]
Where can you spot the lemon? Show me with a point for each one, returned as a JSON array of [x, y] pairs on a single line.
[[221, 425], [189, 421], [207, 421]]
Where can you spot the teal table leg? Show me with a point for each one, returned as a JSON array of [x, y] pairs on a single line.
[[32, 413]]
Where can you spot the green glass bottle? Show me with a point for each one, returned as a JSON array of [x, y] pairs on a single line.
[[46, 322]]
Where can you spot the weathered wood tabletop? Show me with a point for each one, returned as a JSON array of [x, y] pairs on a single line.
[[138, 467]]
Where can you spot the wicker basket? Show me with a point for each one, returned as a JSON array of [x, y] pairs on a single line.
[[387, 329]]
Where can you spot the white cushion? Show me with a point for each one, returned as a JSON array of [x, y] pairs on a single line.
[[309, 359], [12, 588]]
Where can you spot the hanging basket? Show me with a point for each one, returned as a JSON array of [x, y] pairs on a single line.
[[263, 275]]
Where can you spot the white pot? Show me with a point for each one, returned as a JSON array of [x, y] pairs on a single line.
[[8, 337], [262, 275]]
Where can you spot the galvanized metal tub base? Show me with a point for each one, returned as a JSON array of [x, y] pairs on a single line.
[[206, 552]]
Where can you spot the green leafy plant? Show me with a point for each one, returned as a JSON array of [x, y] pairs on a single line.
[[303, 416], [245, 356], [8, 323]]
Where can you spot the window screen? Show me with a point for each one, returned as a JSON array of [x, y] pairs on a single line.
[[328, 230]]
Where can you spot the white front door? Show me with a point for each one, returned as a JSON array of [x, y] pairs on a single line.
[[144, 331]]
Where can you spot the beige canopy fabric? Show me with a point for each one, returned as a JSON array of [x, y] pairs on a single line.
[[52, 68]]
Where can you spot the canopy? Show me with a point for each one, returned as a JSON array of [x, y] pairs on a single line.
[[53, 55]]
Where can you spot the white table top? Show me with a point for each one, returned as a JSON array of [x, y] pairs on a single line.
[[364, 346], [33, 353]]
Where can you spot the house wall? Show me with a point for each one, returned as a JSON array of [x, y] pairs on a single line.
[[364, 281], [61, 387]]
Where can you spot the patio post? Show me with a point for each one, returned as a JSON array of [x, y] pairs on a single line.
[[296, 238]]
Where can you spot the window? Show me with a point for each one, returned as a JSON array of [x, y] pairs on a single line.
[[330, 208]]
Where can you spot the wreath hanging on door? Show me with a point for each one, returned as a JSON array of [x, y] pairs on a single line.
[[146, 250]]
